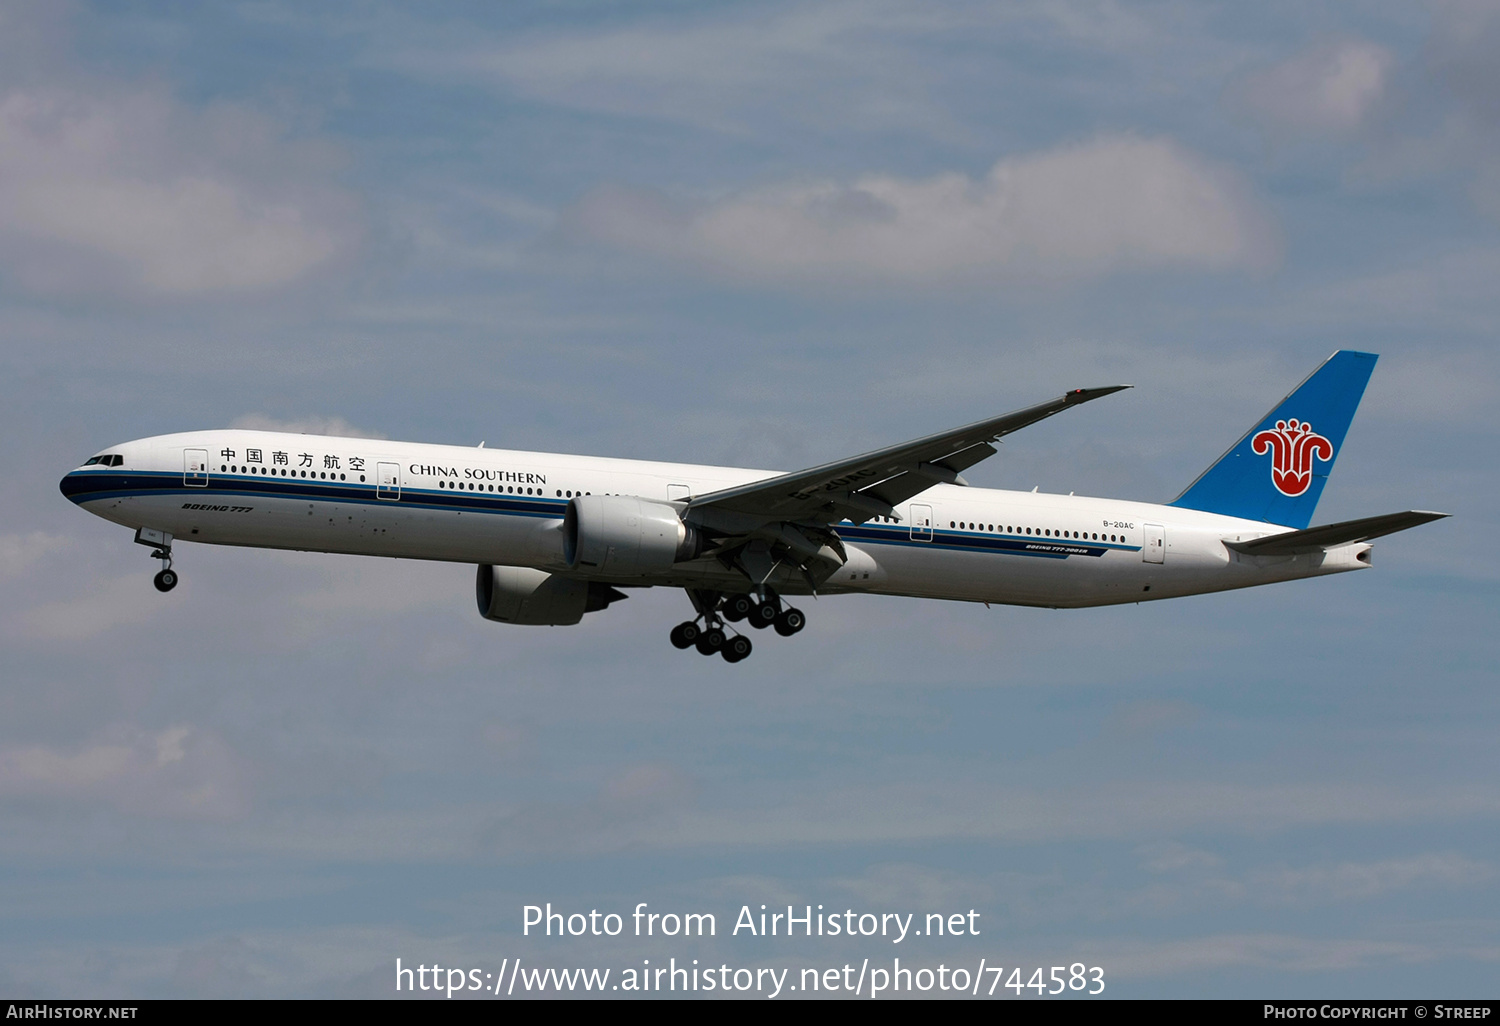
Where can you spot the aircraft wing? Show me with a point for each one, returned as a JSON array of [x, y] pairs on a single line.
[[1314, 539], [872, 484]]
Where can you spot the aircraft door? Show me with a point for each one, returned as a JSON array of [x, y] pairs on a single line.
[[679, 492], [388, 481], [195, 468], [1154, 543], [921, 523]]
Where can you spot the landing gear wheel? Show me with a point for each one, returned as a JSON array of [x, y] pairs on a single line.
[[165, 580], [763, 614], [710, 641], [737, 607], [790, 622], [685, 634], [735, 649]]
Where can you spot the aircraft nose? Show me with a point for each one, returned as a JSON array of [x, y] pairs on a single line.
[[73, 485]]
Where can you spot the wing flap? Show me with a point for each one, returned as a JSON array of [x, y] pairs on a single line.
[[1328, 536]]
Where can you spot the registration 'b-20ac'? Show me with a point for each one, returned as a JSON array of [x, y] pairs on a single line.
[[556, 537]]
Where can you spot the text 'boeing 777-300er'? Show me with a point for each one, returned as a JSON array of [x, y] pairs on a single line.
[[556, 537]]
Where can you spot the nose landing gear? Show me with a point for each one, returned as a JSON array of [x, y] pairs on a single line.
[[161, 542]]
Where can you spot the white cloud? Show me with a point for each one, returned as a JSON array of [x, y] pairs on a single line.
[[1330, 88], [1274, 951], [183, 771], [1356, 881], [366, 587], [118, 187], [914, 886], [666, 815], [1115, 202], [1425, 118], [637, 801], [128, 191], [771, 68], [1171, 857], [105, 605], [804, 64], [19, 551], [1461, 56], [1197, 878]]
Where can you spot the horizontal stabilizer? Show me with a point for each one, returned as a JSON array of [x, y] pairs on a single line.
[[1328, 536]]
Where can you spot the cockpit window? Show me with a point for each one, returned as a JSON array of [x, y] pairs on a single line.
[[92, 460], [113, 459]]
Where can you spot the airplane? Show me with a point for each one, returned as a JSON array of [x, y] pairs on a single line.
[[555, 537]]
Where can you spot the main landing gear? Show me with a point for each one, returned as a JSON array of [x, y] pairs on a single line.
[[161, 542], [713, 609]]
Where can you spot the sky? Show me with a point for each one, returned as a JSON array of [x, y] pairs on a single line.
[[768, 235]]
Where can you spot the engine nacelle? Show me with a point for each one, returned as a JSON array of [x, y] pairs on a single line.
[[625, 535], [521, 595]]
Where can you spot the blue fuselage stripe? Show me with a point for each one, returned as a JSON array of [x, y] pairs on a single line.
[[90, 486]]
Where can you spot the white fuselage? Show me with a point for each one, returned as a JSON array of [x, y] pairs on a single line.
[[442, 502]]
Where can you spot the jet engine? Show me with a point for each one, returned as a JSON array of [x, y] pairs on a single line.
[[521, 595], [625, 535]]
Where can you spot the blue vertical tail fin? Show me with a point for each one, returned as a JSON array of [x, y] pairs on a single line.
[[1276, 472]]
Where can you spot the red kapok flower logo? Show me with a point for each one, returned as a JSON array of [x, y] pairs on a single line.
[[1292, 445]]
